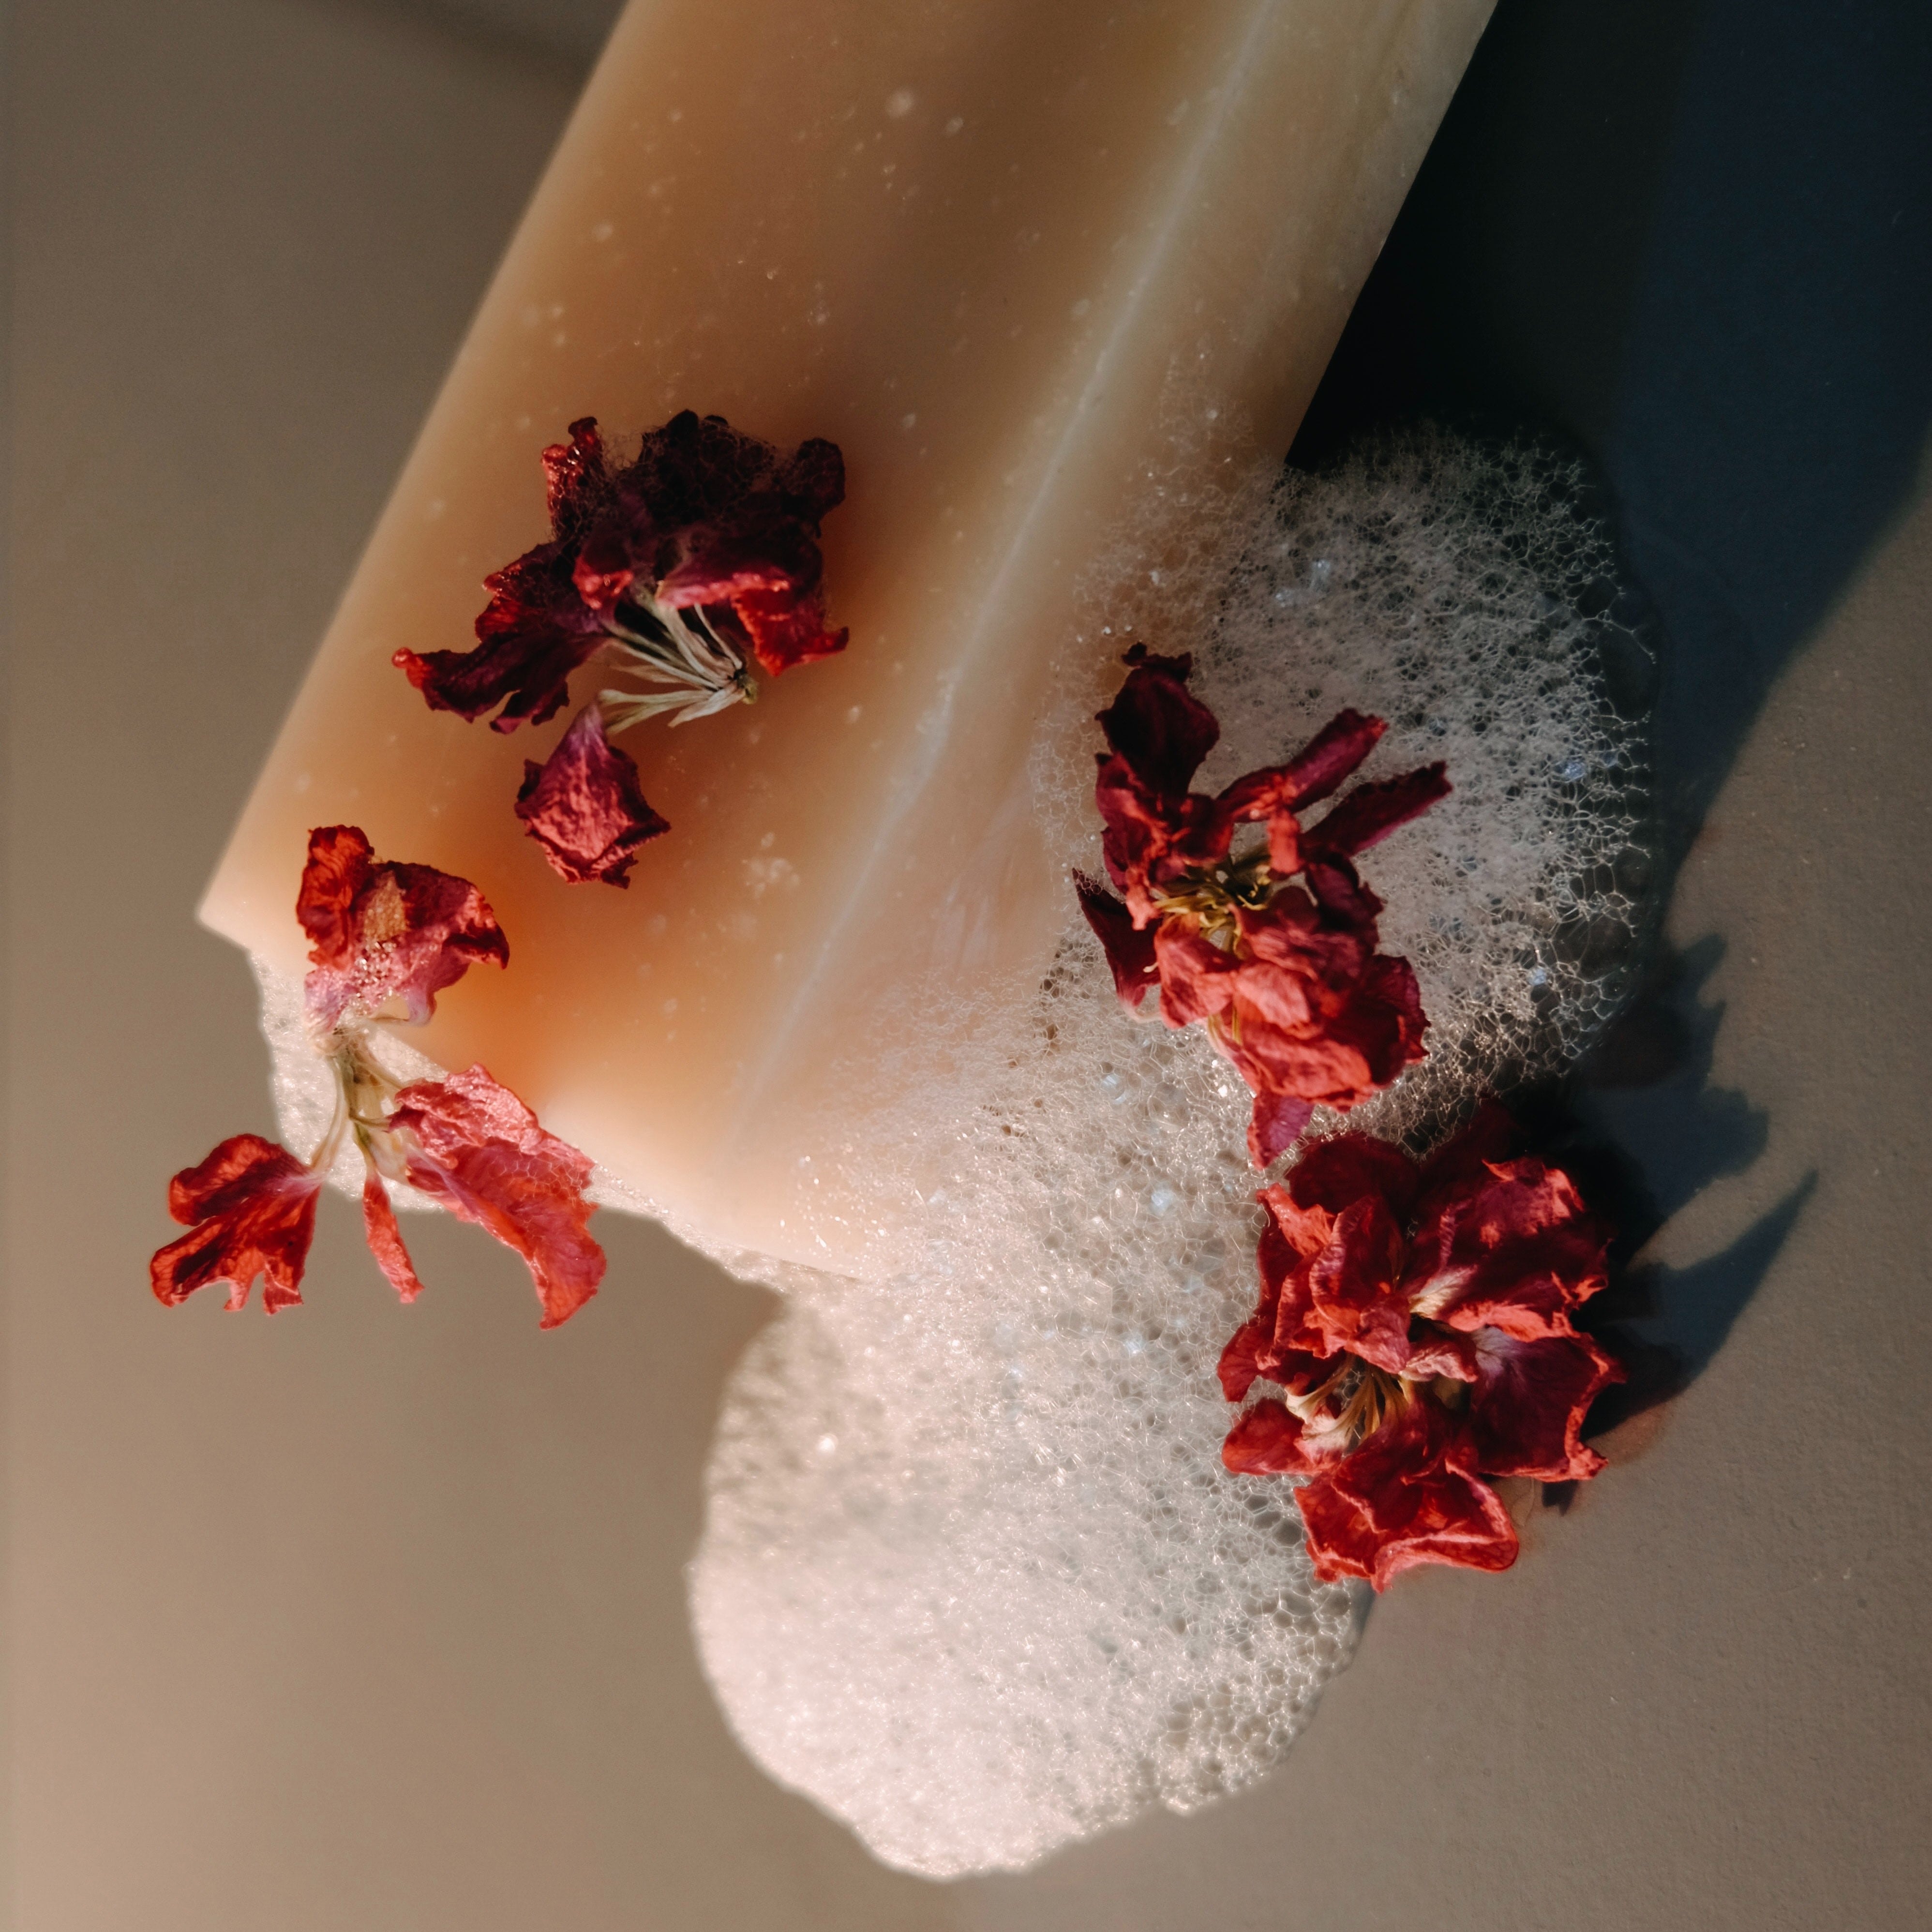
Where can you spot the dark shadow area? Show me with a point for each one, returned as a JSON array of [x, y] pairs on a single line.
[[1644, 1131], [1689, 237], [1687, 240]]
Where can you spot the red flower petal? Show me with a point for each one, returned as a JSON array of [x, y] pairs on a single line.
[[583, 807], [1239, 1366], [1312, 774], [1529, 1401], [385, 1238], [1129, 951], [1278, 1121], [384, 931], [1276, 793], [1409, 1494], [536, 630], [1337, 1172], [1355, 1303], [1266, 1441], [1492, 1134], [1372, 812], [478, 1149], [1513, 1247], [576, 478], [249, 1207], [1157, 725], [785, 629]]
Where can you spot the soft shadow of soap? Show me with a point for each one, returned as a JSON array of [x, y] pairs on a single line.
[[1646, 1131]]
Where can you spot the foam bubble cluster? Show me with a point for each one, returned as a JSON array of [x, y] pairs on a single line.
[[972, 1576]]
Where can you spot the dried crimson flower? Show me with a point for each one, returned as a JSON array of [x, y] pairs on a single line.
[[382, 933], [1285, 977], [1416, 1317], [688, 564]]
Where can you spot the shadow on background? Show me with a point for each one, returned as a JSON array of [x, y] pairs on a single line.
[[1688, 239], [1644, 1131]]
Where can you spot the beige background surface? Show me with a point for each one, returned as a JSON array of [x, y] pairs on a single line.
[[368, 1619]]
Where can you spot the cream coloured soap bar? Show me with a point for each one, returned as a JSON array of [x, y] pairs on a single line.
[[1015, 259]]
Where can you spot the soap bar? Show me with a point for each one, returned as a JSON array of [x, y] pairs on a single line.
[[1034, 268]]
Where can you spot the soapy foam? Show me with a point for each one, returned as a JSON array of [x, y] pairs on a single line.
[[972, 1577]]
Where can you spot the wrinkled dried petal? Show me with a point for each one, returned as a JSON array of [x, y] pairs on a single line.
[[1277, 793], [1513, 1247], [705, 515], [583, 805], [1240, 1362], [384, 930], [785, 629], [1371, 812], [1529, 1401], [1355, 1303], [1408, 1495], [1336, 1173], [577, 479], [1266, 1441], [473, 1145], [250, 1208], [385, 1237], [1157, 725], [536, 630], [1152, 839], [1130, 950], [1276, 1122]]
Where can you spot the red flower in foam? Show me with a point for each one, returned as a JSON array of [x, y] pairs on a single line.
[[385, 932], [583, 807], [1285, 977], [1416, 1317], [706, 519]]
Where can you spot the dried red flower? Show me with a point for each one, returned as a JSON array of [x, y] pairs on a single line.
[[384, 931], [469, 1143], [583, 806], [1417, 1318], [1286, 977], [705, 521], [249, 1207]]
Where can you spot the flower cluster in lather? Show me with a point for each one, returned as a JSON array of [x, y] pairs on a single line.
[[1285, 975], [685, 567], [1416, 1317], [387, 938]]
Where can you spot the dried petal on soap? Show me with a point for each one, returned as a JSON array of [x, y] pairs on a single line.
[[249, 1207], [536, 630], [1418, 1317], [583, 805], [705, 516], [384, 930], [472, 1144]]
